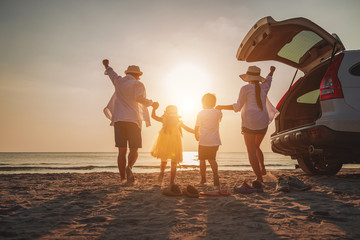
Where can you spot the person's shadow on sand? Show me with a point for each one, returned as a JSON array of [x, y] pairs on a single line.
[[164, 217], [148, 214], [97, 207], [141, 214], [57, 212], [233, 218]]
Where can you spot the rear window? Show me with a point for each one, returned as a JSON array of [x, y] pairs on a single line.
[[299, 46], [355, 70], [310, 97]]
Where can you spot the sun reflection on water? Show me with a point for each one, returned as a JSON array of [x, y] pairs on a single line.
[[190, 160]]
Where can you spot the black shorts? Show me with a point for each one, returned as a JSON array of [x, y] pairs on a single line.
[[206, 152], [254, 132], [127, 132]]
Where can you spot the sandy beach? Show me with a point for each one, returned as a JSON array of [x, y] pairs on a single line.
[[97, 206]]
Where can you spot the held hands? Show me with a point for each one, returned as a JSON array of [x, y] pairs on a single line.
[[155, 105], [197, 135]]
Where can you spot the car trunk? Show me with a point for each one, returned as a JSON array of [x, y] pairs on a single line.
[[302, 104], [299, 43]]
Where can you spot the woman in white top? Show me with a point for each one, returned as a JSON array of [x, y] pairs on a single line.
[[255, 115]]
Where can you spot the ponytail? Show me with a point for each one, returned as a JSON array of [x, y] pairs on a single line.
[[258, 96]]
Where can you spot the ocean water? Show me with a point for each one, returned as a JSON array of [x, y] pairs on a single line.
[[107, 162]]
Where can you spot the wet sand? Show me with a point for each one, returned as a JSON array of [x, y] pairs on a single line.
[[97, 206]]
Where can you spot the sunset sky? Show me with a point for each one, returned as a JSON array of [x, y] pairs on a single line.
[[52, 83]]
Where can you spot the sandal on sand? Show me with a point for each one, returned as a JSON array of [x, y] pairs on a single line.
[[191, 192], [172, 191], [214, 193], [246, 189], [297, 184], [282, 185], [224, 192]]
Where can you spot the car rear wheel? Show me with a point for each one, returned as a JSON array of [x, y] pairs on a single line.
[[319, 165]]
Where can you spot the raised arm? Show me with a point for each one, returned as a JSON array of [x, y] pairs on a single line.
[[272, 70], [106, 63], [109, 71], [153, 112], [267, 84]]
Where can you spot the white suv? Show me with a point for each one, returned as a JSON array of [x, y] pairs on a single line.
[[319, 121]]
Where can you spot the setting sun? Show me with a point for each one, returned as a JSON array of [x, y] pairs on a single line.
[[185, 84]]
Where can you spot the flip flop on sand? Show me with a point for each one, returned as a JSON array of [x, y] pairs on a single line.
[[297, 184], [172, 191], [215, 193], [245, 188], [191, 192], [224, 192]]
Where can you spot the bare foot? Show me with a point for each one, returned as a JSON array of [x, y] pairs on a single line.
[[263, 171], [130, 175], [160, 177]]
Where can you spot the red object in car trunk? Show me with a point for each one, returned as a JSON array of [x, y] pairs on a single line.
[[285, 95]]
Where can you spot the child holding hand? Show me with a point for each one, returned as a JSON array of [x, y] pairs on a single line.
[[168, 145], [207, 133]]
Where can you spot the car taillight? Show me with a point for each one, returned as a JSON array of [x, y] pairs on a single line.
[[330, 86]]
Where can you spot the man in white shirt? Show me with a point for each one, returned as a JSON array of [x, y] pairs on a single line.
[[127, 109]]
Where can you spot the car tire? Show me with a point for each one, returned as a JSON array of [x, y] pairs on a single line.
[[319, 165]]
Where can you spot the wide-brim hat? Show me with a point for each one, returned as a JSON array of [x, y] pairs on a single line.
[[252, 74], [191, 192], [133, 69], [171, 111], [172, 191]]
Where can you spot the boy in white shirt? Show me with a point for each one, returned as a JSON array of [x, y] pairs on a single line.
[[207, 133]]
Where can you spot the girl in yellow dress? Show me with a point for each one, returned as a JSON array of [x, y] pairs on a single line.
[[168, 144]]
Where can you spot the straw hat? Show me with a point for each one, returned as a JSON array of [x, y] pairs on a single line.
[[133, 69], [191, 192], [171, 111], [172, 191], [252, 74]]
